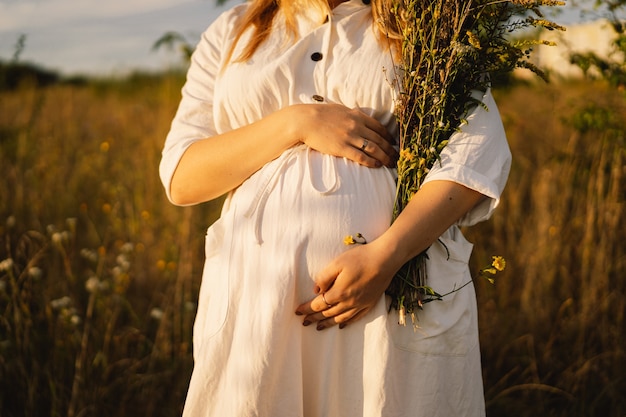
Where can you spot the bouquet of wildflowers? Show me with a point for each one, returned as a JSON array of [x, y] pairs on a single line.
[[449, 49]]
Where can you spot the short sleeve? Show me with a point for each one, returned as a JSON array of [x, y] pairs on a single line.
[[478, 157], [194, 119]]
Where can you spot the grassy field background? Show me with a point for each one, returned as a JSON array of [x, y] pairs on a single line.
[[99, 273]]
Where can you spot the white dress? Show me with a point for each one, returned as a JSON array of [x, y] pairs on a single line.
[[252, 355]]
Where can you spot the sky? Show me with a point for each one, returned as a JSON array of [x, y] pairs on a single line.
[[108, 37], [101, 37]]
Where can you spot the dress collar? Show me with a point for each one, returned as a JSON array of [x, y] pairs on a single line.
[[350, 6], [357, 2]]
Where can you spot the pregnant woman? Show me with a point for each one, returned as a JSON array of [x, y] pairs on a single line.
[[289, 108]]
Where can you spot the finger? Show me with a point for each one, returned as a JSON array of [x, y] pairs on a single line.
[[326, 278], [377, 148], [329, 310], [376, 132], [357, 155], [322, 316], [313, 306], [352, 319], [374, 148], [341, 319], [323, 282], [388, 149]]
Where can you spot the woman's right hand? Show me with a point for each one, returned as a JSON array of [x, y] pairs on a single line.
[[349, 133]]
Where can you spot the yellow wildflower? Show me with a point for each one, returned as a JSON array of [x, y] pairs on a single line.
[[499, 263], [406, 155], [473, 39], [352, 240]]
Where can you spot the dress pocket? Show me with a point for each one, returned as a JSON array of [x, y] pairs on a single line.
[[214, 294], [447, 327]]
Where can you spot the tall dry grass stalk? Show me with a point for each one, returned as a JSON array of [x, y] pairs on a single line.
[[97, 285], [553, 328]]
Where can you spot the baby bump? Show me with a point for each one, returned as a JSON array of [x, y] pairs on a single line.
[[312, 201], [280, 228], [324, 198]]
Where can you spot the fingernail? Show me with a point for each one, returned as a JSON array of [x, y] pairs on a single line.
[[342, 325], [306, 323], [378, 164], [320, 327], [298, 313]]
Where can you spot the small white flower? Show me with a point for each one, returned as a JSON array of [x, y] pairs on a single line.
[[92, 284], [89, 254], [462, 49], [61, 303], [57, 238], [75, 319], [127, 247], [35, 272], [6, 265], [122, 261], [156, 313], [10, 222]]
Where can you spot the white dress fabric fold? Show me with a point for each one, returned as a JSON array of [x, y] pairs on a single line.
[[279, 228]]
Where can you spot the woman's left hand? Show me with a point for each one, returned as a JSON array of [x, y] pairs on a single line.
[[351, 285]]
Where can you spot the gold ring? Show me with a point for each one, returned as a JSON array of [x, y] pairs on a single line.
[[365, 143], [324, 298]]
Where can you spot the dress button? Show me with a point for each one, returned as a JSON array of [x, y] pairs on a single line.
[[317, 98], [317, 56]]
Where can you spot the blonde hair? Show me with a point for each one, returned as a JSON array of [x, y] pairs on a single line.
[[261, 13]]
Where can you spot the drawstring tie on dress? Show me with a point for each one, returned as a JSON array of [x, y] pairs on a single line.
[[271, 176]]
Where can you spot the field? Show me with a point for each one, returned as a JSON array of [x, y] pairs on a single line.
[[99, 273]]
